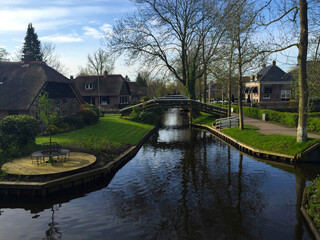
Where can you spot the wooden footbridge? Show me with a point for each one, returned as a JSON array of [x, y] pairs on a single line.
[[176, 101]]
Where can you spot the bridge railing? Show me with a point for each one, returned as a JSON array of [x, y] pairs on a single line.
[[227, 122], [177, 102]]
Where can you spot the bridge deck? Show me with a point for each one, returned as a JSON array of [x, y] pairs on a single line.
[[165, 102]]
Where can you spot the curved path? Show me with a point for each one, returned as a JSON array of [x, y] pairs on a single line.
[[273, 128], [25, 166]]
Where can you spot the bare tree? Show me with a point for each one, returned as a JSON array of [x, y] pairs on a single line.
[[244, 46], [287, 15], [169, 35], [98, 63], [3, 54], [52, 58]]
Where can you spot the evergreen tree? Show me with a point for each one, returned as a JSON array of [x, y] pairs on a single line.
[[32, 45]]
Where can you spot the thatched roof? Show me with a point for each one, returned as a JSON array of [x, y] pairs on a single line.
[[20, 84], [138, 90], [110, 85]]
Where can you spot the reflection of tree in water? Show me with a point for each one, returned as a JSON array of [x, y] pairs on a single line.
[[53, 233], [199, 191]]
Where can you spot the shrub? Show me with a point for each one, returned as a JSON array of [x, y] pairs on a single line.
[[313, 201], [88, 116], [314, 124], [93, 108], [61, 126], [74, 122], [18, 131], [96, 145]]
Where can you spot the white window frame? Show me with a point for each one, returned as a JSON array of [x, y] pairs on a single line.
[[88, 86], [104, 102], [285, 94]]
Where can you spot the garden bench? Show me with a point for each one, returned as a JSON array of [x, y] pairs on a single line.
[[47, 152]]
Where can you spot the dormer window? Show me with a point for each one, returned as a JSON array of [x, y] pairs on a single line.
[[88, 86]]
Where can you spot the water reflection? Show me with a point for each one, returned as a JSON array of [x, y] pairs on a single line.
[[53, 233], [183, 184]]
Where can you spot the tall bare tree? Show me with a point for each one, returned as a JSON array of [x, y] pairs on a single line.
[[3, 54], [244, 46], [52, 58], [294, 15], [98, 63], [169, 34]]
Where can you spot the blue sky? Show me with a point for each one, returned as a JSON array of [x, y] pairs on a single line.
[[75, 27]]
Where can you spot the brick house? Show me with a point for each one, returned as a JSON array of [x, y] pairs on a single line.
[[21, 83], [110, 91], [270, 84]]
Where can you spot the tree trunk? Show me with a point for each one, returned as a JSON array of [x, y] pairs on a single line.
[[241, 125], [229, 98], [302, 75]]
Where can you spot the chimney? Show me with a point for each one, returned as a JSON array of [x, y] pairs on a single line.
[[27, 59], [71, 77], [273, 62], [105, 73]]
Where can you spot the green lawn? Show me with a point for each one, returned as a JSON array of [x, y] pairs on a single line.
[[117, 131], [205, 119], [274, 143]]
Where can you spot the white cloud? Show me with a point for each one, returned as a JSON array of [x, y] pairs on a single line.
[[18, 19], [107, 29], [104, 30], [92, 32], [57, 38]]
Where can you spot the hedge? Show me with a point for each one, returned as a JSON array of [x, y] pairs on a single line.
[[18, 131], [283, 118]]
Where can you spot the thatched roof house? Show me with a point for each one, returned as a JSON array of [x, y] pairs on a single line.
[[21, 84], [112, 89]]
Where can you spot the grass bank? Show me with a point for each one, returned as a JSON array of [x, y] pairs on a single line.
[[205, 119], [269, 142], [111, 126]]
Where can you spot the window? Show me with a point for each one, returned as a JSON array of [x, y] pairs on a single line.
[[88, 86], [267, 89], [266, 96], [105, 100], [285, 95], [124, 100]]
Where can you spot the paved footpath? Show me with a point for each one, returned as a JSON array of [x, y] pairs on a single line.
[[273, 128]]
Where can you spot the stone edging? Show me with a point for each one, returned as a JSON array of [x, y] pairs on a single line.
[[45, 188], [308, 219], [255, 152]]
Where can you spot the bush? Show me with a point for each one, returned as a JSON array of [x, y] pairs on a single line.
[[88, 116], [74, 122], [61, 126], [314, 124], [93, 108], [96, 145], [18, 131], [313, 201]]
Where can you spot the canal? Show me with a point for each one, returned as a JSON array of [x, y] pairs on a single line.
[[182, 184]]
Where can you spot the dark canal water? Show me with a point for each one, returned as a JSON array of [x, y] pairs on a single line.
[[182, 184]]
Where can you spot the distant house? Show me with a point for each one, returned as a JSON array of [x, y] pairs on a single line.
[[21, 83], [138, 91], [110, 91], [270, 84]]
